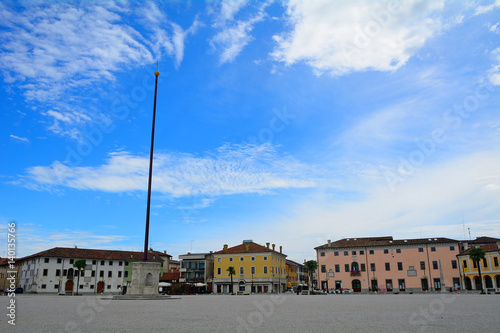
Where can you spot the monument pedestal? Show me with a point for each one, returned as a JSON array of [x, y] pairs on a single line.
[[145, 278]]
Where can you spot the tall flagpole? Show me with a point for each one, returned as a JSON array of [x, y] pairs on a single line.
[[146, 237]]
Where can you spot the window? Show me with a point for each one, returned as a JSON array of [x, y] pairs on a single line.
[[435, 264], [45, 272], [58, 272], [336, 253], [219, 271], [387, 266], [65, 272], [323, 268], [433, 249], [372, 252], [400, 266], [81, 286], [126, 263], [253, 269], [91, 286], [71, 261], [363, 267], [110, 274], [485, 262], [46, 260], [495, 261], [101, 274], [110, 263], [422, 265], [94, 262], [398, 250], [219, 259], [372, 267], [465, 263], [56, 286], [386, 251], [337, 268], [44, 286], [242, 270], [59, 260], [108, 286], [230, 259], [353, 253], [420, 249], [322, 254], [93, 274], [120, 263], [361, 252], [265, 269], [454, 264], [252, 259], [119, 274], [125, 274], [346, 267], [452, 248], [474, 264], [265, 258], [102, 262], [346, 253]]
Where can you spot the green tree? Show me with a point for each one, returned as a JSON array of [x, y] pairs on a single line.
[[231, 272], [311, 266], [476, 254], [80, 265]]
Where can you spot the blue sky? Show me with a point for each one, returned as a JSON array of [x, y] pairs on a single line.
[[284, 122]]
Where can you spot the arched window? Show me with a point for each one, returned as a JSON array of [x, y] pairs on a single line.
[[149, 280], [241, 286], [355, 269]]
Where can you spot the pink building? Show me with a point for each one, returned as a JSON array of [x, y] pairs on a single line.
[[386, 265]]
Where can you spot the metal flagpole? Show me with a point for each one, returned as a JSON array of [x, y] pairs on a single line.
[[146, 237]]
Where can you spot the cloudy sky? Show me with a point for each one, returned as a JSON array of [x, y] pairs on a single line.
[[284, 122]]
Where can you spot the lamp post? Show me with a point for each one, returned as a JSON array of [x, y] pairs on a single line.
[[146, 237]]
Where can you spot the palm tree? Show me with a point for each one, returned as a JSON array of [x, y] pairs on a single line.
[[311, 266], [476, 254], [231, 272], [80, 265]]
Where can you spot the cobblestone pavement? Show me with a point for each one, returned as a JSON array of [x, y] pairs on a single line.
[[256, 313]]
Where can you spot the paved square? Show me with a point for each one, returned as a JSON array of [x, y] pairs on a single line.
[[257, 313]]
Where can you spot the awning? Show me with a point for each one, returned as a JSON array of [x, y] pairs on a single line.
[[164, 284]]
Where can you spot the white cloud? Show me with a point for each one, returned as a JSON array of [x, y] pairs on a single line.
[[494, 73], [234, 35], [486, 9], [20, 138], [232, 169], [344, 36]]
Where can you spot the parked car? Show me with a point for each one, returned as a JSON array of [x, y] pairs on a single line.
[[18, 290]]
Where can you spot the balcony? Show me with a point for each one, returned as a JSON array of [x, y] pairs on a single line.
[[355, 274]]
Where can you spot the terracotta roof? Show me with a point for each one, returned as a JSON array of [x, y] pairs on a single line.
[[248, 248], [4, 261], [486, 248], [173, 274], [71, 252], [383, 241], [482, 240], [288, 261]]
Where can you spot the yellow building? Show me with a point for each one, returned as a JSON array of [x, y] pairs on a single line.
[[258, 269], [490, 269]]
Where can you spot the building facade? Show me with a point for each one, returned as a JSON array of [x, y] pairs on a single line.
[[383, 264], [258, 269], [490, 269], [197, 269], [107, 271], [295, 275]]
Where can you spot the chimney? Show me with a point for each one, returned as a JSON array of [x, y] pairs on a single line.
[[274, 246], [247, 246], [329, 242], [165, 251], [268, 244], [281, 249], [225, 247]]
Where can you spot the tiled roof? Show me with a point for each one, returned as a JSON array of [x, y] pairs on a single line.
[[247, 248], [288, 261], [486, 248], [77, 253], [383, 241], [173, 274], [4, 261], [482, 240]]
